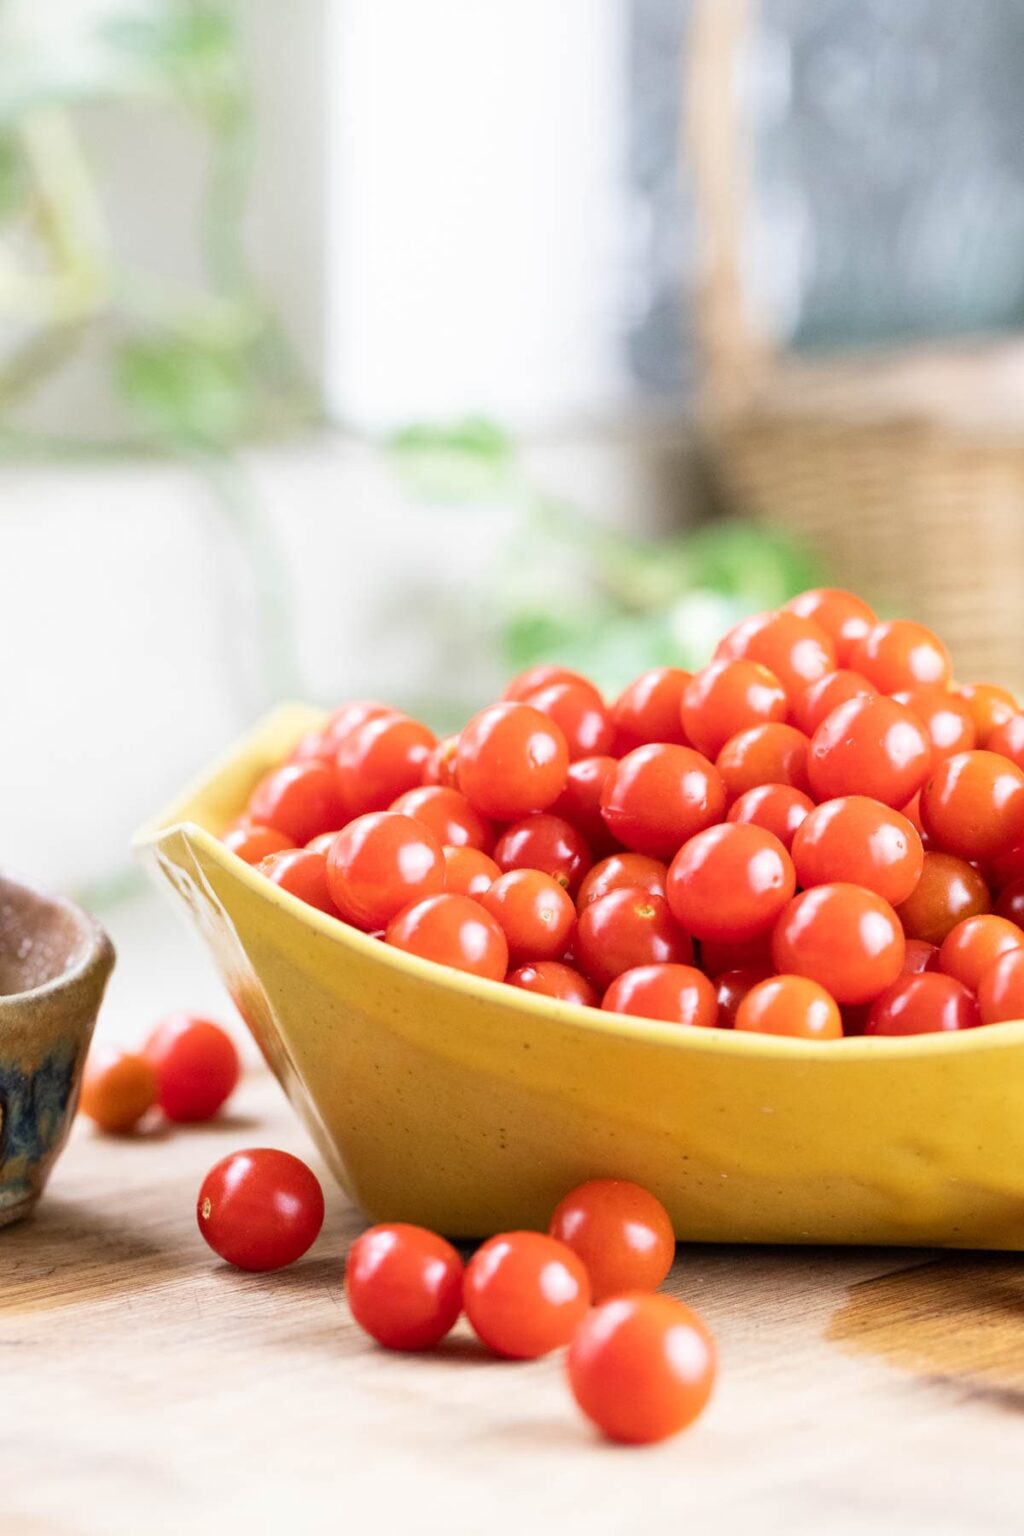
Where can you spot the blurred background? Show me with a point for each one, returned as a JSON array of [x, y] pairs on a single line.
[[372, 347]]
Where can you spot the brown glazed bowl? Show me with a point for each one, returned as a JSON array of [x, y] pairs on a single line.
[[54, 965]]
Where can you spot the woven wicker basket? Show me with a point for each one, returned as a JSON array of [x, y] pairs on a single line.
[[905, 471]]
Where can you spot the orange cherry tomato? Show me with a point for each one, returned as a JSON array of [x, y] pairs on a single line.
[[973, 805], [404, 1285], [730, 883], [525, 1294], [620, 871], [949, 890], [625, 929], [947, 719], [379, 761], [862, 842], [776, 808], [380, 863], [448, 814], [580, 713], [512, 760], [844, 617], [303, 873], [649, 709], [928, 1003], [764, 754], [118, 1088], [660, 795], [842, 936], [454, 931], [731, 987], [973, 947], [818, 700], [620, 1231], [468, 872], [728, 697], [790, 1005], [899, 654], [196, 1066], [547, 843], [991, 707], [677, 994], [580, 801], [796, 649], [869, 746], [254, 844], [542, 676], [535, 913], [1001, 989], [1008, 739], [642, 1367], [550, 978]]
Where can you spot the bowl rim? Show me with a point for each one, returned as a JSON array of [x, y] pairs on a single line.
[[97, 948], [293, 719]]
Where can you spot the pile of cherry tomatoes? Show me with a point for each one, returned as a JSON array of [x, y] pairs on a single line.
[[819, 834], [187, 1069]]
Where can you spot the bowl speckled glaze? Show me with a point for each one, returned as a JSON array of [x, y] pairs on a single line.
[[54, 965], [471, 1107]]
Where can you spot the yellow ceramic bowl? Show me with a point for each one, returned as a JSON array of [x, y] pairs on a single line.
[[472, 1107]]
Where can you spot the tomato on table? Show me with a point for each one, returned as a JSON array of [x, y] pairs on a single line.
[[196, 1066], [535, 913], [660, 795], [620, 1231], [949, 890], [869, 746], [764, 754], [303, 873], [972, 948], [625, 929], [404, 1285], [118, 1088], [580, 713], [862, 842], [547, 843], [776, 808], [973, 805], [675, 994], [511, 761], [792, 1006], [727, 697], [448, 814], [260, 1209], [730, 883], [380, 863], [795, 648], [898, 654], [454, 931], [618, 872], [928, 1003], [551, 978], [380, 760], [650, 709], [525, 1294], [842, 936]]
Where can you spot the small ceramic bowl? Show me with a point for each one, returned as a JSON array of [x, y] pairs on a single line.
[[471, 1107], [54, 965]]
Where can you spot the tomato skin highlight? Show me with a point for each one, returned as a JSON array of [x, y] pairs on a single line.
[[299, 799], [844, 617], [579, 713], [795, 648], [973, 805], [862, 842], [842, 936], [525, 1294], [792, 1006], [196, 1066], [453, 931], [547, 843], [260, 1209], [777, 808], [622, 1234], [404, 1286], [676, 994], [535, 913], [872, 747], [730, 883], [817, 702], [511, 761], [379, 864], [380, 760], [448, 814], [727, 697], [660, 795], [649, 709], [468, 872], [898, 654]]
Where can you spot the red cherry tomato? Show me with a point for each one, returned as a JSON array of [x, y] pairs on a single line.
[[973, 947], [320, 844], [196, 1066], [380, 863], [730, 883], [766, 754], [535, 913], [512, 760], [580, 714], [731, 987], [678, 994], [547, 843], [404, 1285], [817, 701], [260, 1209], [1006, 867], [872, 747], [642, 1367], [468, 872], [1011, 902], [303, 873], [379, 761], [900, 654], [448, 814], [717, 956], [254, 844], [862, 842], [659, 796], [990, 708], [842, 936], [924, 1004], [973, 805], [844, 617], [776, 808], [790, 1005], [796, 649], [118, 1088], [650, 710], [947, 719], [1001, 989], [622, 871], [441, 766], [323, 743], [620, 1231], [542, 676], [949, 890], [1008, 739], [728, 697], [454, 931], [300, 799], [920, 957], [525, 1294], [580, 801], [625, 929], [550, 978]]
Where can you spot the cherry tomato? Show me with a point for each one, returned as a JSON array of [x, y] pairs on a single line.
[[717, 956], [254, 844], [621, 871], [861, 842], [912, 811], [817, 701], [928, 1003], [550, 978], [452, 930], [468, 872], [766, 754], [920, 957], [620, 1231], [580, 714], [899, 654], [973, 947], [512, 760], [678, 994], [404, 1285], [547, 843], [730, 883], [731, 987], [542, 676], [303, 873], [448, 814], [1001, 989], [260, 1209], [842, 936], [196, 1066], [776, 808], [441, 766], [973, 805], [625, 929], [535, 913], [580, 801], [118, 1088], [650, 710], [379, 761], [790, 1005], [380, 863], [300, 800], [947, 719], [323, 743], [949, 890], [1008, 739], [990, 708], [844, 617], [319, 844], [1006, 867], [642, 1367], [872, 747], [660, 795], [1011, 902], [728, 697], [796, 649], [525, 1294]]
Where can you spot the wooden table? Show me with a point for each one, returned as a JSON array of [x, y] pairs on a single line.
[[148, 1388]]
